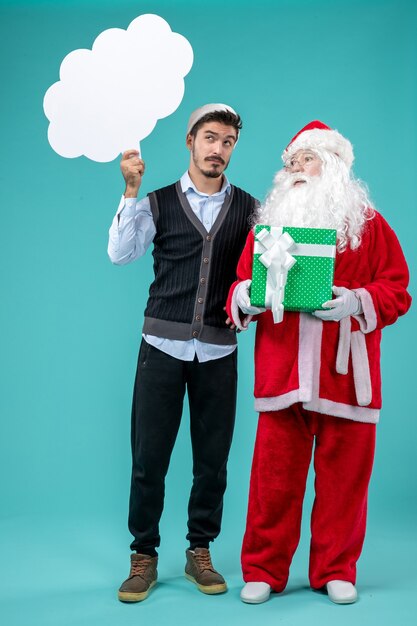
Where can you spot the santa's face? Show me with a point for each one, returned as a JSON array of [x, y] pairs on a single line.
[[315, 190], [305, 163]]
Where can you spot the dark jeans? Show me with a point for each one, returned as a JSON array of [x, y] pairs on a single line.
[[161, 381]]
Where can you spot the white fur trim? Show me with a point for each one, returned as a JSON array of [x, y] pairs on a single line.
[[367, 320], [318, 138], [325, 407], [277, 403], [339, 409], [309, 350]]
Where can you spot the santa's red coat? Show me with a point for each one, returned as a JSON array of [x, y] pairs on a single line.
[[332, 367]]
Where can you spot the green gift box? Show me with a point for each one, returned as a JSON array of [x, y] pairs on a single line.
[[293, 268]]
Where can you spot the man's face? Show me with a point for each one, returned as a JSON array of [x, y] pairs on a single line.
[[303, 162], [212, 148]]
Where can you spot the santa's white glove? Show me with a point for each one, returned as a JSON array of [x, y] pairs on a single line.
[[243, 300], [346, 303]]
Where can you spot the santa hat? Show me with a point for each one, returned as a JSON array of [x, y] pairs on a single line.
[[317, 135]]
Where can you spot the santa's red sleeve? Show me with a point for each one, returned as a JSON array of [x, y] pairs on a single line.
[[243, 272], [385, 297]]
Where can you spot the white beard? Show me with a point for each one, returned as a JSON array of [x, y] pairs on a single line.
[[331, 200]]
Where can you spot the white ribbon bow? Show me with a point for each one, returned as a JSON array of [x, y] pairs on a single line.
[[278, 262]]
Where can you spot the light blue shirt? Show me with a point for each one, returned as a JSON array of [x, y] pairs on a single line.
[[130, 235]]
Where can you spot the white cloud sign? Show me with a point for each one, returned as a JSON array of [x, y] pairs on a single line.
[[109, 98]]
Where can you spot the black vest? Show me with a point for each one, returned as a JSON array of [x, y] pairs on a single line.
[[194, 268]]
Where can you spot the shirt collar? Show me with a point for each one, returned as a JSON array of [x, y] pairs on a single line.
[[187, 184]]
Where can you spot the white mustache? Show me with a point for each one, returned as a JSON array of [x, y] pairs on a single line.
[[286, 179], [298, 179]]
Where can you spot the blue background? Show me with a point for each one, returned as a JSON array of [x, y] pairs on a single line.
[[71, 321]]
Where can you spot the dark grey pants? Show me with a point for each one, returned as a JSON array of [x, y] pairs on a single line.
[[161, 381]]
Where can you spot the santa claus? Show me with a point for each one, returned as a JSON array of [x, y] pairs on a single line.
[[317, 376]]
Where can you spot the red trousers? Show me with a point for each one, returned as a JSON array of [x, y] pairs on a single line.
[[343, 458]]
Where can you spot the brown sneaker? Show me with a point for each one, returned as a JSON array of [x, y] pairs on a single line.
[[142, 578], [199, 570]]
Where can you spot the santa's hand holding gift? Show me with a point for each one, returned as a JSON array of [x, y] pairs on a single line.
[[317, 374]]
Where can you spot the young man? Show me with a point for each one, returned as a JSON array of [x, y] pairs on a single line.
[[317, 377], [198, 226]]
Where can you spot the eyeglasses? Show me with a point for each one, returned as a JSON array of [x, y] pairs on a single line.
[[304, 159]]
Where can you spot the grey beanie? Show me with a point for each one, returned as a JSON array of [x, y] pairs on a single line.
[[207, 108]]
